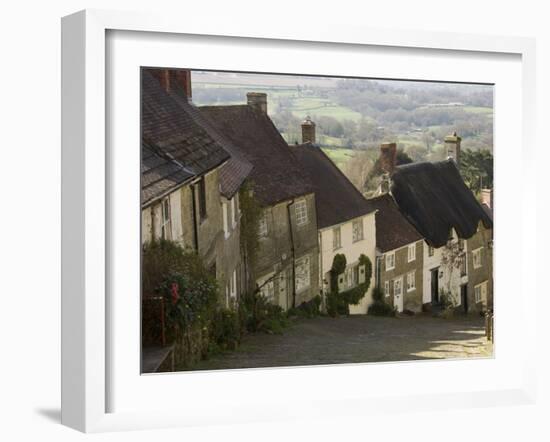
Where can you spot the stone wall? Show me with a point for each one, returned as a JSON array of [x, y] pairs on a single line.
[[411, 300], [210, 227], [275, 253], [228, 256], [483, 238]]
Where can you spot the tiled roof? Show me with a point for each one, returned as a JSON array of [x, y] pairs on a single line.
[[392, 228], [276, 175], [159, 174], [237, 168], [434, 199], [168, 125], [336, 198]]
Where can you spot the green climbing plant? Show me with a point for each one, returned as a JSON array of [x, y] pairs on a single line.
[[338, 302]]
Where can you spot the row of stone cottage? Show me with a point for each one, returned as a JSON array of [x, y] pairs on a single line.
[[425, 232]]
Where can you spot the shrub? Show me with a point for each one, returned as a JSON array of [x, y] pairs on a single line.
[[447, 302], [258, 314], [336, 305], [338, 302], [190, 297], [308, 309], [188, 300], [381, 308], [161, 258], [338, 266], [378, 294], [225, 331]]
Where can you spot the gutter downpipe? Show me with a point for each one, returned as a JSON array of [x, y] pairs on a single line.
[[195, 225], [292, 252], [321, 273]]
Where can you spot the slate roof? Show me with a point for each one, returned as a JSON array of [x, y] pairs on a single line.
[[237, 168], [159, 174], [169, 127], [434, 199], [276, 175], [392, 228], [336, 198]]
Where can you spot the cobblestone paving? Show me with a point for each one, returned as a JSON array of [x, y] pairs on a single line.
[[358, 339]]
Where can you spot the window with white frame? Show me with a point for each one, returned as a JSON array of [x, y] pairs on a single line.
[[411, 252], [341, 282], [302, 273], [355, 270], [165, 222], [352, 276], [480, 292], [224, 219], [387, 288], [411, 281], [397, 287], [390, 261], [463, 265], [349, 277], [484, 291], [233, 213], [300, 209], [361, 274], [357, 229], [477, 293], [262, 225], [476, 257], [336, 238]]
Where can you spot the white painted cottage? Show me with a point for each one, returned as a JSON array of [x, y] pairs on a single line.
[[345, 219]]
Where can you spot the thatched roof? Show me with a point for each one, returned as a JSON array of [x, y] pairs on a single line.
[[435, 200]]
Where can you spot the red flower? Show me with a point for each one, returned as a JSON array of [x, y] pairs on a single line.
[[175, 292]]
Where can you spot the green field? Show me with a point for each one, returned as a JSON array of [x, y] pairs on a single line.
[[339, 156], [478, 110], [319, 107], [327, 140]]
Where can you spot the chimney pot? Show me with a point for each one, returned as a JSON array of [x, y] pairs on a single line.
[[452, 145], [388, 157], [308, 131], [257, 100]]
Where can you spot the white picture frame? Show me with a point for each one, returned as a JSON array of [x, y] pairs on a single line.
[[87, 207]]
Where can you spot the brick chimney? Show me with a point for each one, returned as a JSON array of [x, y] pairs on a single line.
[[452, 146], [181, 82], [487, 197], [257, 100], [308, 131], [388, 157], [174, 80]]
